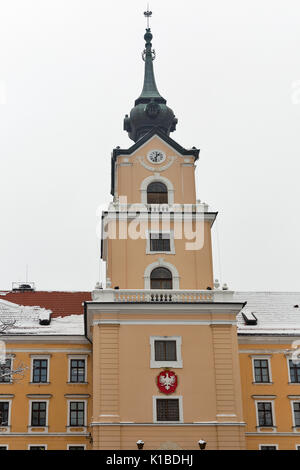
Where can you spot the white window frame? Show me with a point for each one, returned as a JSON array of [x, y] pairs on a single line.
[[80, 357], [178, 364], [38, 445], [266, 358], [293, 413], [161, 263], [172, 244], [273, 445], [41, 400], [288, 359], [153, 179], [9, 401], [41, 357], [76, 445], [4, 445], [160, 397], [297, 446], [73, 400], [265, 400]]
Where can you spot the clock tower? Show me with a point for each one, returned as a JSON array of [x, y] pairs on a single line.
[[165, 361]]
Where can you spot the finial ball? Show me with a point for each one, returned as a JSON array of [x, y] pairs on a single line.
[[148, 36]]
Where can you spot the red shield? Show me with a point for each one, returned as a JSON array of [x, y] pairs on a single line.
[[167, 381]]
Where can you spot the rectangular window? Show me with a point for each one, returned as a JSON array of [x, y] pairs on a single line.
[[261, 370], [40, 371], [37, 447], [265, 417], [38, 413], [167, 409], [268, 447], [77, 370], [4, 409], [4, 447], [294, 372], [5, 371], [77, 413], [296, 408], [76, 448], [160, 242], [165, 350]]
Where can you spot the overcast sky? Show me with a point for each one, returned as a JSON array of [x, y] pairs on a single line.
[[69, 72]]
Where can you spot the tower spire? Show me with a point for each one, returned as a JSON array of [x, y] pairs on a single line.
[[150, 91], [150, 110]]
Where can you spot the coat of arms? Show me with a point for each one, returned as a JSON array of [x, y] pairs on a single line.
[[167, 381]]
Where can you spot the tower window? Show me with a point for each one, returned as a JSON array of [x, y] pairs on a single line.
[[160, 242], [167, 409], [157, 193], [161, 278], [165, 350]]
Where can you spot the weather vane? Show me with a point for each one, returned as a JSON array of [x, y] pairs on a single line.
[[148, 15]]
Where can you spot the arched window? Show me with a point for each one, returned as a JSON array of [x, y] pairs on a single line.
[[161, 278], [157, 193]]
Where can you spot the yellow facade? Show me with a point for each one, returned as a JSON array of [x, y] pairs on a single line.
[[279, 391], [57, 393]]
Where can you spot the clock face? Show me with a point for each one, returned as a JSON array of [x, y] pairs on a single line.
[[156, 156]]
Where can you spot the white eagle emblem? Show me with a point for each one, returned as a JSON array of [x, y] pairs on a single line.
[[167, 381]]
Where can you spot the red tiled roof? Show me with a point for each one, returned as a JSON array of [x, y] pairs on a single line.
[[61, 303]]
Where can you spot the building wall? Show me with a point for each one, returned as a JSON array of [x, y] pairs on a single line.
[[279, 391], [125, 383], [57, 392]]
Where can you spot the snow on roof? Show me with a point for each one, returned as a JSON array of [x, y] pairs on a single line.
[[276, 312], [25, 320]]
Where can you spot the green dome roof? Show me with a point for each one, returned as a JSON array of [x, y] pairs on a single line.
[[150, 110]]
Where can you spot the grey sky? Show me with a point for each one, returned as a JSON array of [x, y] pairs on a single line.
[[69, 72]]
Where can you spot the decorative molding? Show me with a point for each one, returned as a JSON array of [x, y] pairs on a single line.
[[173, 423], [156, 168]]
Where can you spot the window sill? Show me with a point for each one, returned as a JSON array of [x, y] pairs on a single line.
[[168, 422], [34, 429], [77, 429], [4, 428], [266, 428], [293, 383], [163, 364], [160, 252], [77, 383], [262, 383], [39, 383]]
